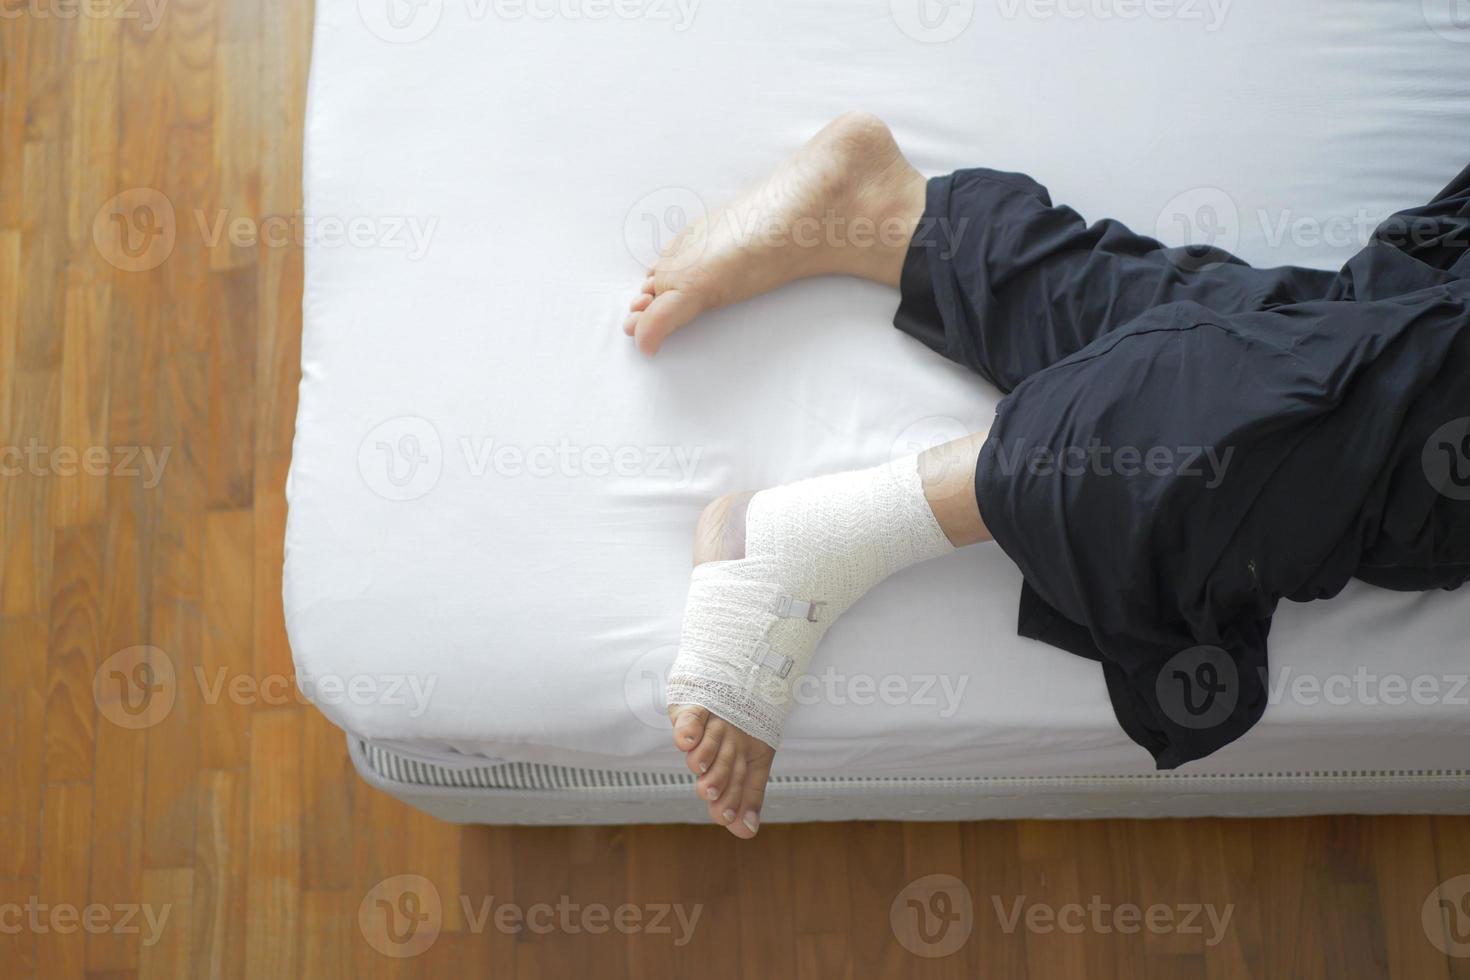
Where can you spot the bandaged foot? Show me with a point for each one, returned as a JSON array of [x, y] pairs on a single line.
[[754, 617]]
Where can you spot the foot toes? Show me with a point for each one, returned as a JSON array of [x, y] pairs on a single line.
[[669, 311], [640, 302], [690, 723], [648, 284], [713, 784], [726, 809], [701, 758], [757, 774]]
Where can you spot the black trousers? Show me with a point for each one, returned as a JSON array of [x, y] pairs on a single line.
[[1187, 440]]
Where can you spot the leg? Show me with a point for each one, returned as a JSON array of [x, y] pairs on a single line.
[[1003, 281], [797, 537], [1162, 491], [948, 475], [975, 253]]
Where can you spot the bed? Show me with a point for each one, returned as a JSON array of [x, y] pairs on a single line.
[[492, 494]]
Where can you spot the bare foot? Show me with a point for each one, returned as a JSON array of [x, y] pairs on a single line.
[[846, 203], [732, 767]]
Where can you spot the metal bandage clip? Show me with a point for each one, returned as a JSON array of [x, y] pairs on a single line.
[[763, 655], [789, 607]]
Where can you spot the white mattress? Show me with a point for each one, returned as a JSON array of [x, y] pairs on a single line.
[[501, 172]]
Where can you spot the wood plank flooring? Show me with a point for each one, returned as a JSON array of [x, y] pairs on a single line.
[[147, 394]]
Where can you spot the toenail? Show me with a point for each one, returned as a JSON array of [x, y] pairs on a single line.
[[713, 793], [752, 820], [704, 767], [729, 815]]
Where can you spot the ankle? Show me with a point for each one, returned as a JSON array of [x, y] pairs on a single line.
[[845, 531]]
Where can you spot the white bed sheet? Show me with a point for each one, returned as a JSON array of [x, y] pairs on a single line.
[[501, 173]]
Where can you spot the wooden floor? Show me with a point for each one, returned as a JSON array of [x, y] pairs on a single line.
[[237, 821]]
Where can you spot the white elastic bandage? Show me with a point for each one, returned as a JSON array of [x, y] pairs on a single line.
[[811, 550]]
